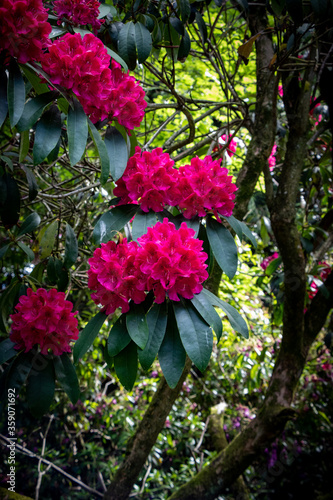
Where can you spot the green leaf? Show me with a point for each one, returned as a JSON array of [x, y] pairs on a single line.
[[66, 375], [56, 32], [272, 266], [88, 335], [202, 26], [3, 251], [7, 302], [7, 350], [137, 326], [126, 365], [29, 224], [34, 79], [143, 42], [40, 388], [117, 151], [33, 110], [102, 152], [126, 44], [185, 9], [237, 322], [236, 226], [118, 337], [48, 240], [184, 47], [26, 250], [223, 246], [141, 222], [3, 96], [172, 354], [196, 336], [117, 58], [24, 145], [19, 370], [208, 313], [157, 321], [48, 131], [77, 132], [15, 93], [112, 221], [10, 202], [32, 182], [172, 40], [248, 234], [71, 247], [278, 6]]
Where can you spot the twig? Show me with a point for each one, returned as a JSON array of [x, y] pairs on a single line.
[[40, 472], [53, 466]]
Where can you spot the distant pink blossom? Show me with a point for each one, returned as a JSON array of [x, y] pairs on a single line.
[[272, 159], [265, 263], [280, 91], [325, 271], [44, 318], [232, 145]]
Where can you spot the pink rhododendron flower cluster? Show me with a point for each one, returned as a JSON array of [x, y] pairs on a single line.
[[201, 187], [172, 260], [231, 150], [83, 66], [149, 179], [265, 263], [115, 276], [205, 186], [24, 30], [272, 159], [44, 318], [323, 275], [166, 261], [78, 12]]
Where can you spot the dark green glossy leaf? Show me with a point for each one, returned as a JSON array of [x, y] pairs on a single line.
[[126, 44], [7, 350], [184, 47], [157, 321], [102, 152], [117, 151], [126, 365], [237, 322], [48, 131], [3, 96], [71, 247], [7, 301], [141, 222], [48, 239], [33, 110], [278, 6], [88, 335], [195, 334], [185, 9], [172, 41], [244, 4], [236, 226], [112, 221], [177, 25], [10, 201], [15, 93], [29, 224], [40, 388], [248, 234], [117, 58], [172, 354], [34, 79], [118, 337], [26, 250], [208, 313], [202, 26], [77, 132], [24, 145], [273, 265], [223, 246], [19, 370], [3, 251], [143, 42], [137, 326], [32, 182], [66, 375]]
